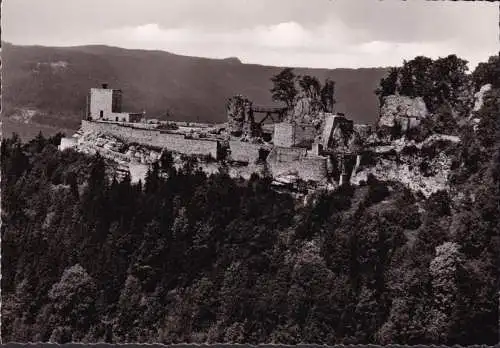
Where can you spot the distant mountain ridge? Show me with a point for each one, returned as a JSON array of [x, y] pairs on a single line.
[[55, 80]]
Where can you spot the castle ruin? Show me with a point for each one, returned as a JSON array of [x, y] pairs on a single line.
[[305, 143]]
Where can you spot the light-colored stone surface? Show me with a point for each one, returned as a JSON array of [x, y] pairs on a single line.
[[283, 134], [67, 143], [328, 129], [244, 151], [306, 110], [137, 172], [151, 137], [287, 134], [407, 169], [101, 101], [296, 161], [479, 96], [396, 109]]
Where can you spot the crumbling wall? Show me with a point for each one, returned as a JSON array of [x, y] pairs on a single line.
[[172, 141], [287, 154], [328, 127], [337, 130], [304, 135], [288, 134], [312, 168], [244, 151], [188, 146], [240, 116], [295, 161], [283, 134]]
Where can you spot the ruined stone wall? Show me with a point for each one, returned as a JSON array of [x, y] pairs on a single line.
[[289, 134], [304, 135], [284, 134], [313, 168], [171, 141], [288, 154], [295, 161], [328, 129], [240, 116], [243, 151], [336, 130]]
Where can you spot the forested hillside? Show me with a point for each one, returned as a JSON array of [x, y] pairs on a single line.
[[53, 82], [186, 257]]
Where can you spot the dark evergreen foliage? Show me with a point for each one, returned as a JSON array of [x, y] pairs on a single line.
[[186, 257]]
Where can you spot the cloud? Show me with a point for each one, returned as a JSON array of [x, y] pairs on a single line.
[[327, 45], [317, 33]]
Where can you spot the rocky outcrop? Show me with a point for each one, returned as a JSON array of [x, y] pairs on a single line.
[[479, 97], [307, 110], [402, 111], [421, 166], [240, 116]]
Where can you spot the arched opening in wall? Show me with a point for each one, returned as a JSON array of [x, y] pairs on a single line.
[[101, 114]]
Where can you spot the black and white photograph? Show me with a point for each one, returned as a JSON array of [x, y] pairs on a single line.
[[250, 172]]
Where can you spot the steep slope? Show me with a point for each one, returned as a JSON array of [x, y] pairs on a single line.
[[54, 82]]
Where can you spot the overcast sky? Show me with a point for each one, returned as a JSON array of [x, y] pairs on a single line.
[[313, 33]]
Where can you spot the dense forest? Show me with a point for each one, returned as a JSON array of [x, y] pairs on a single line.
[[186, 257]]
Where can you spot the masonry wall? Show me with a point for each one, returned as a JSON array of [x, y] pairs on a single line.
[[109, 102], [119, 117], [244, 152], [170, 141], [313, 168], [283, 134], [304, 135], [296, 161], [288, 135], [100, 99], [287, 154]]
